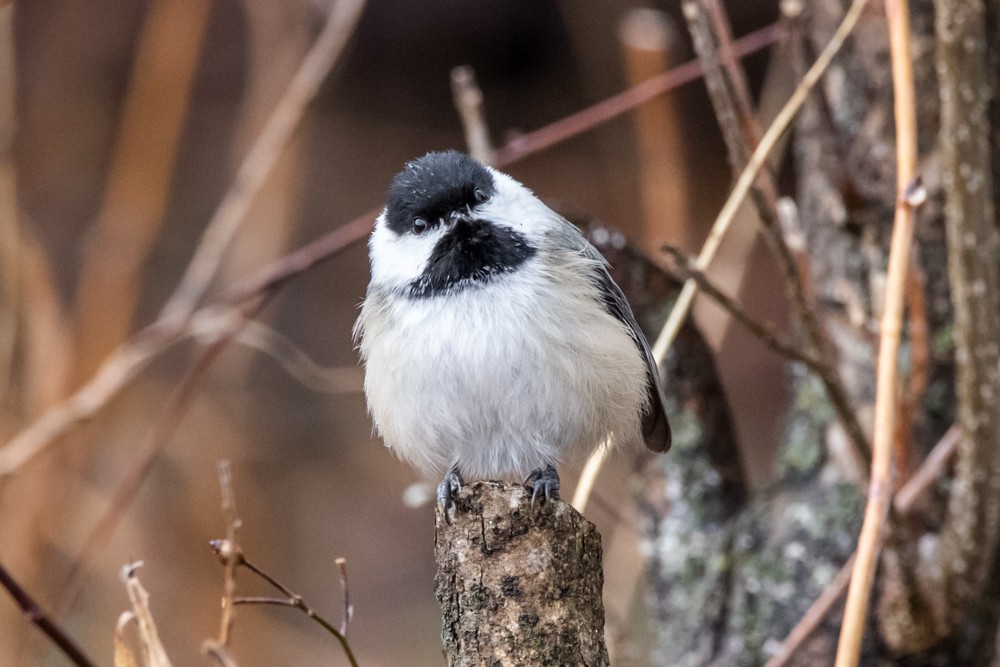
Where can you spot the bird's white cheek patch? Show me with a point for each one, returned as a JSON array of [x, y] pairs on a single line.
[[399, 260]]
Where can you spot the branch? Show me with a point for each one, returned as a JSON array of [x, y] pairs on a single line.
[[731, 98], [518, 587], [543, 138], [469, 103], [764, 331], [880, 484], [43, 621], [965, 72], [743, 184], [228, 552]]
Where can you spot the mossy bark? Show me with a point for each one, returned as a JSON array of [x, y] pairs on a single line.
[[516, 587]]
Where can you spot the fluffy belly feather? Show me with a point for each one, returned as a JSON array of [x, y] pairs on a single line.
[[499, 388]]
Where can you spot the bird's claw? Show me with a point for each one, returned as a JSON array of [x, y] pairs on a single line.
[[544, 484], [446, 491]]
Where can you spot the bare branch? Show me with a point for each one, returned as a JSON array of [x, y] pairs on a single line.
[[586, 119], [43, 621], [469, 103], [228, 554], [764, 331], [880, 484], [298, 364]]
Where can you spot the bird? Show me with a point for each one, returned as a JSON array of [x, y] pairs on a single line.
[[494, 340]]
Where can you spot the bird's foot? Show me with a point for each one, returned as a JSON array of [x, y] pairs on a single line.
[[543, 483], [447, 489]]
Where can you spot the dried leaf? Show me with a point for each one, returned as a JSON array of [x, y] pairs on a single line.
[[155, 655], [124, 657]]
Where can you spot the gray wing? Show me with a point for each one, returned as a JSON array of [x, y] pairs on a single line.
[[655, 427]]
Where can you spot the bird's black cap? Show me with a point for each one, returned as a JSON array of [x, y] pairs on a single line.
[[435, 185]]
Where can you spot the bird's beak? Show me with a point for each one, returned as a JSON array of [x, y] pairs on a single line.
[[457, 216]]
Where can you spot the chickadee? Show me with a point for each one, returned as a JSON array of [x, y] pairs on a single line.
[[495, 341]]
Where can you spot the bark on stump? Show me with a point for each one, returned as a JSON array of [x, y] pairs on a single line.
[[516, 589]]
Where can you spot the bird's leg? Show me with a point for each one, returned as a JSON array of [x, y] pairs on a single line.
[[544, 483], [449, 486]]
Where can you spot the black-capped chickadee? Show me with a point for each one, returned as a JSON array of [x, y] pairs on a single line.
[[494, 339]]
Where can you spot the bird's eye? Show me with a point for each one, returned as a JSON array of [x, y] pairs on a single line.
[[419, 225], [480, 195]]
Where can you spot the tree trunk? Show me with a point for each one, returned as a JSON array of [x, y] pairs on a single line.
[[517, 589]]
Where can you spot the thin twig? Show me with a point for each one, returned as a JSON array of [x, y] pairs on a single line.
[[904, 500], [341, 563], [814, 616], [586, 119], [228, 555], [278, 130], [468, 100], [292, 599], [764, 331], [298, 364], [931, 468], [43, 621], [880, 484]]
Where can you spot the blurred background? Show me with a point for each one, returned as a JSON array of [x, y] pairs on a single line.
[[124, 124]]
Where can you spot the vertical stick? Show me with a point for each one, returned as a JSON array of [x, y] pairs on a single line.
[[880, 485]]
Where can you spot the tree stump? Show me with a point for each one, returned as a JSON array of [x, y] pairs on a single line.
[[517, 589]]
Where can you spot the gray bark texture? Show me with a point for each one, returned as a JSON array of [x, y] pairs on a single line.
[[518, 588]]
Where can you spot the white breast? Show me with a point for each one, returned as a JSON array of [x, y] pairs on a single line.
[[502, 378]]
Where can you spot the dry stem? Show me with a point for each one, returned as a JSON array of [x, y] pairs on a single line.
[[880, 484], [586, 119], [43, 621], [469, 103], [229, 552], [228, 616]]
